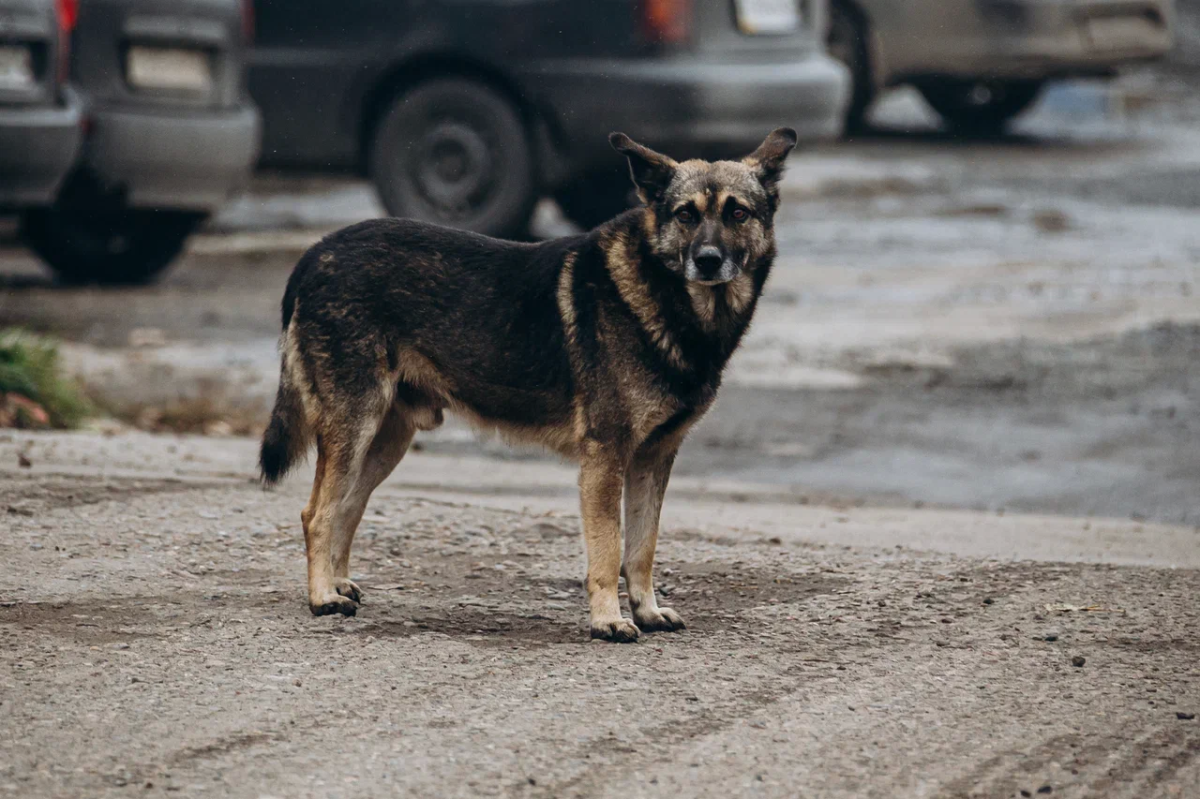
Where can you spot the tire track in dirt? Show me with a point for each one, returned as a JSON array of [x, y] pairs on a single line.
[[33, 494]]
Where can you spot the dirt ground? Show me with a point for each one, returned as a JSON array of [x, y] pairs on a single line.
[[938, 538], [159, 642]]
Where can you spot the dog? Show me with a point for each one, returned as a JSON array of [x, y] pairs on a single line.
[[605, 347]]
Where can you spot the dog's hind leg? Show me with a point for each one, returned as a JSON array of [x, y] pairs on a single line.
[[388, 447], [337, 502], [645, 483]]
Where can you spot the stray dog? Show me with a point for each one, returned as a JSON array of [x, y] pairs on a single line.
[[605, 347]]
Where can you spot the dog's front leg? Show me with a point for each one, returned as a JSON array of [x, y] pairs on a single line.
[[600, 478], [645, 484]]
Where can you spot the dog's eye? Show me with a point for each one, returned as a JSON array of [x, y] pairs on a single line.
[[740, 215], [685, 216]]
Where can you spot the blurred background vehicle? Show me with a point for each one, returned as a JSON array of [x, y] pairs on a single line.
[[980, 64], [466, 113], [40, 117], [170, 134]]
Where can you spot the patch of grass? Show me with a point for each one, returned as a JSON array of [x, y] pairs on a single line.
[[30, 368]]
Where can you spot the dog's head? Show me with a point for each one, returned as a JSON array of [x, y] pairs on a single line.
[[709, 221]]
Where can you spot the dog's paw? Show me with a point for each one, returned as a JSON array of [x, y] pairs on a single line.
[[349, 589], [663, 620], [621, 631], [333, 604]]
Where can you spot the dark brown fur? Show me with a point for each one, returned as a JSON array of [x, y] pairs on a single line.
[[605, 347]]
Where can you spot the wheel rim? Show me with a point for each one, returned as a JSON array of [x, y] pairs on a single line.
[[449, 167], [454, 169], [981, 95]]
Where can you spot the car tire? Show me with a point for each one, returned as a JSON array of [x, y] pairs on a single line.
[[89, 245], [980, 108], [846, 41], [593, 199], [455, 152]]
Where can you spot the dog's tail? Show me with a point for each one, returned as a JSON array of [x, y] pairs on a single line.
[[288, 435]]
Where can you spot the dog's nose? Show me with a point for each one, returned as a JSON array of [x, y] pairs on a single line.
[[708, 260]]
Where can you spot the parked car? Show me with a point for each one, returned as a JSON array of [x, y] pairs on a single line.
[[170, 133], [980, 64], [466, 113], [40, 116]]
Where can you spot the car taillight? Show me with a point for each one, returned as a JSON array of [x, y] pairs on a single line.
[[248, 21], [666, 21], [68, 15]]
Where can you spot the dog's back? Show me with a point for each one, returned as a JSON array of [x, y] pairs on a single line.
[[450, 318]]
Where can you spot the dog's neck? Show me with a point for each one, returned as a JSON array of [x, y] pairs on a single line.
[[697, 327]]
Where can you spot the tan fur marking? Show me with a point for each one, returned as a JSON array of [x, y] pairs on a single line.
[[417, 370], [725, 196], [298, 378], [704, 303], [633, 291], [566, 296], [561, 438], [739, 293]]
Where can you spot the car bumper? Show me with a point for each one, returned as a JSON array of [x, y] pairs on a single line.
[[1028, 38], [38, 147], [173, 160], [694, 107]]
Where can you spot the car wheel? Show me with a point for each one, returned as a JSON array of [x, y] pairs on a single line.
[[593, 199], [980, 107], [846, 40], [455, 153], [89, 245]]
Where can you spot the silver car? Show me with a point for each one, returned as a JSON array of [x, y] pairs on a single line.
[[41, 118], [979, 63], [169, 133]]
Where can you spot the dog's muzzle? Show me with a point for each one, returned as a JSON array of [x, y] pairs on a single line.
[[709, 266]]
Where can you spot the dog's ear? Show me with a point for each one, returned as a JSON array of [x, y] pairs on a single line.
[[767, 160], [651, 171]]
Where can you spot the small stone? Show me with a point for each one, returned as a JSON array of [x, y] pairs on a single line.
[[218, 427], [1051, 638], [1045, 789], [1078, 661], [987, 601], [24, 461], [774, 540], [1184, 716]]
